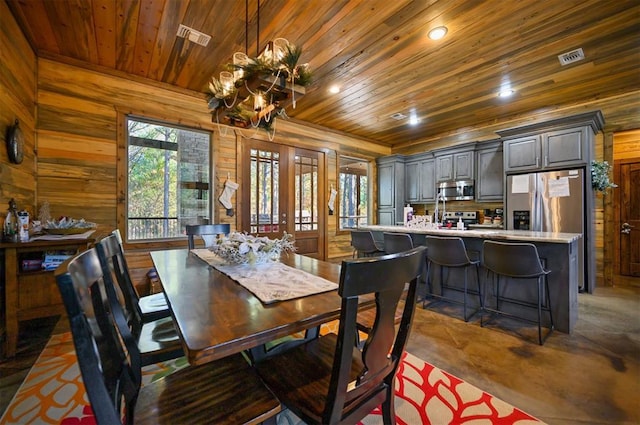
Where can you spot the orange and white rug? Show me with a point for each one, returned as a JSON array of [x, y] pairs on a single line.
[[53, 393]]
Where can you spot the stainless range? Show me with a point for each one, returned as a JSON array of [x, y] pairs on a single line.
[[468, 218]]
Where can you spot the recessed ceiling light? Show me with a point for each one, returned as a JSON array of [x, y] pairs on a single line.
[[334, 89], [413, 118], [438, 32], [505, 93]]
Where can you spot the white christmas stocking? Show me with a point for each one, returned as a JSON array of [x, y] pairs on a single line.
[[227, 193]]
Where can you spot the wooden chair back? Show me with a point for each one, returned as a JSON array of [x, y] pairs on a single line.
[[330, 380], [112, 258], [207, 232], [111, 377]]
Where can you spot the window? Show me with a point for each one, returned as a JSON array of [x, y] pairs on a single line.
[[354, 192], [168, 180]]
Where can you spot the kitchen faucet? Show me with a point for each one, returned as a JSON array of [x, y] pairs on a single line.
[[444, 208]]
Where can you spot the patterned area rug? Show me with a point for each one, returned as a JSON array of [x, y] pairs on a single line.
[[53, 393]]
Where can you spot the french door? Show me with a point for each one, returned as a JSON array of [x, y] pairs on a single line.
[[286, 194]]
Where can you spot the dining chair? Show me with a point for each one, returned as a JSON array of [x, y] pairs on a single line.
[[225, 391], [156, 334], [393, 243], [149, 307], [517, 261], [328, 380], [207, 232], [364, 245]]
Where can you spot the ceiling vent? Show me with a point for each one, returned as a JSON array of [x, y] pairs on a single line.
[[571, 57], [398, 116], [193, 35]]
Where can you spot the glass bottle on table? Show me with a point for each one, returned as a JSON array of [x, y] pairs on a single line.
[[10, 229]]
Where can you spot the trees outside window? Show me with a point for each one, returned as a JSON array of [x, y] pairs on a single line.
[[168, 180], [354, 192]]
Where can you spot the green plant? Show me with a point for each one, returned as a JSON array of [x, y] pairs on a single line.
[[600, 176]]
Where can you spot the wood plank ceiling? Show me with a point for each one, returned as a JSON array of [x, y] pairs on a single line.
[[377, 51]]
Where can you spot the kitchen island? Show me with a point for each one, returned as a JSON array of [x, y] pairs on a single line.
[[559, 254]]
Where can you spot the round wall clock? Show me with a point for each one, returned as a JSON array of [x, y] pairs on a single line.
[[15, 144]]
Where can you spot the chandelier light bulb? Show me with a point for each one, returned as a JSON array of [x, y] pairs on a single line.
[[279, 48], [239, 59], [226, 80]]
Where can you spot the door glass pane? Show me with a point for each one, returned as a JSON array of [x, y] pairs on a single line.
[[306, 193], [265, 171]]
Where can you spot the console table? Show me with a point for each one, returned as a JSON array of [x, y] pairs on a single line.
[[30, 294]]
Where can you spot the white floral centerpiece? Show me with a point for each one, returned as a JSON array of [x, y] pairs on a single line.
[[243, 248]]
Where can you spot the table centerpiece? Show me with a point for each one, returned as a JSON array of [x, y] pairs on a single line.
[[243, 248]]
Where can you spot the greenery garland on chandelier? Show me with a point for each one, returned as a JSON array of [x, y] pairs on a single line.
[[252, 92]]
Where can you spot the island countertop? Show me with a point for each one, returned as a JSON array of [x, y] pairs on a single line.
[[495, 234]]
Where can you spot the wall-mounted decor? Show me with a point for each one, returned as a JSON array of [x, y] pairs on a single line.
[[15, 143]]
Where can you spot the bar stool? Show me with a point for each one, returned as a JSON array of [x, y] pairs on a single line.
[[364, 245], [397, 242], [521, 261], [450, 253]]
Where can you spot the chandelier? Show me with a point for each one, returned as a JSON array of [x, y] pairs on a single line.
[[252, 92]]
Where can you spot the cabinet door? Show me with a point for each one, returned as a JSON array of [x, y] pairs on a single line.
[[564, 147], [463, 166], [522, 153], [386, 185], [387, 217], [490, 180], [412, 178], [444, 168], [427, 180]]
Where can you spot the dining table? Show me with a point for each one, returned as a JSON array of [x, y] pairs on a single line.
[[215, 316]]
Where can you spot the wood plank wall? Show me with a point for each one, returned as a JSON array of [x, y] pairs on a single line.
[[77, 131], [17, 101]]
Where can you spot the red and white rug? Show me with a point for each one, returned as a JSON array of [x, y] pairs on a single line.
[[53, 393]]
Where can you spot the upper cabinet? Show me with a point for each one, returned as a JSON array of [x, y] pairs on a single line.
[[391, 185], [490, 172], [420, 179], [551, 145], [455, 165]]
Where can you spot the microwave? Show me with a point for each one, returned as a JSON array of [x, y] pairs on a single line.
[[458, 190]]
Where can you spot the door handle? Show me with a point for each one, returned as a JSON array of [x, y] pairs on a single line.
[[626, 228]]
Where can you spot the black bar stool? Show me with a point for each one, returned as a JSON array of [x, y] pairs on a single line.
[[450, 253], [397, 242], [364, 245], [521, 261]]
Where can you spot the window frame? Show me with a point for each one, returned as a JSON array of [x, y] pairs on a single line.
[[122, 176], [370, 187]]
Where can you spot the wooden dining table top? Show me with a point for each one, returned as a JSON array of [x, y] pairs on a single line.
[[216, 316]]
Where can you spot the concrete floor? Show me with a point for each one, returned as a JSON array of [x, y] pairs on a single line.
[[589, 377]]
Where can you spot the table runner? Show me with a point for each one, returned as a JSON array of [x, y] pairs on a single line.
[[270, 282]]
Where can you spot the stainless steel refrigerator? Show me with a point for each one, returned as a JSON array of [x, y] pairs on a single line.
[[551, 201]]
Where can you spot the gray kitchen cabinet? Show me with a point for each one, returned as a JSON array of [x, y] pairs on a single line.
[[420, 179], [391, 186], [455, 165], [552, 145], [490, 172]]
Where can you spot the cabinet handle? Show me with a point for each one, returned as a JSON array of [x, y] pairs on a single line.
[[546, 160], [537, 161]]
